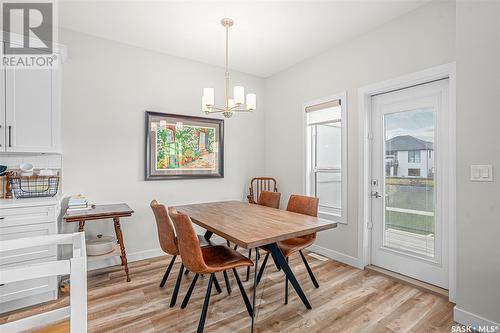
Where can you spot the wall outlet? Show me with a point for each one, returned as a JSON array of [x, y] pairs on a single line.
[[481, 173]]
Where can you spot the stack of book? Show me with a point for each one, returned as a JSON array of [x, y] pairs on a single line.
[[78, 202]]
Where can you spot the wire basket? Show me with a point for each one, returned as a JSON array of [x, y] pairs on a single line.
[[34, 186]]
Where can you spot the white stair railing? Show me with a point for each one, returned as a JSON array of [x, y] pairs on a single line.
[[76, 267]]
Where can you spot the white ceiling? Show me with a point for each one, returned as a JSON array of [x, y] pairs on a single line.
[[267, 37]]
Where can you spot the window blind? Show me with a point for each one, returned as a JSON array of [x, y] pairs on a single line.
[[329, 111]]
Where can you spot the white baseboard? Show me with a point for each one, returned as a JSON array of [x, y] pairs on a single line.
[[131, 257], [338, 256], [472, 320], [38, 320]]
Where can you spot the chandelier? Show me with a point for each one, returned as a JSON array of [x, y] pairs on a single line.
[[232, 105]]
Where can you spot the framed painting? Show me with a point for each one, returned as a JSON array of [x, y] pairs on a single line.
[[183, 147]]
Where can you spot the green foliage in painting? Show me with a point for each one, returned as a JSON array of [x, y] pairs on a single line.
[[185, 147]]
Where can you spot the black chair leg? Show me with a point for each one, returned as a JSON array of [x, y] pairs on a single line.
[[217, 285], [177, 286], [243, 293], [262, 268], [226, 280], [189, 292], [311, 275], [277, 266], [167, 273], [227, 242], [286, 285], [236, 247], [186, 272], [248, 268], [201, 323]]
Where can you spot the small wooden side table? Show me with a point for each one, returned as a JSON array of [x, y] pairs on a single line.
[[100, 212]]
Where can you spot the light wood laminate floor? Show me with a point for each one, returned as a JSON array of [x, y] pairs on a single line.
[[348, 300]]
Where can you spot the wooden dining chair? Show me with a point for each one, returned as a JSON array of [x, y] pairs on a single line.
[[302, 205], [259, 184], [168, 243], [206, 260]]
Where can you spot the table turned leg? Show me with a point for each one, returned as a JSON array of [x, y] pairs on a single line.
[[81, 226], [119, 237]]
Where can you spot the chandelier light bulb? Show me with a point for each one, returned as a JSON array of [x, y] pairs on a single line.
[[239, 95], [209, 96], [251, 102]]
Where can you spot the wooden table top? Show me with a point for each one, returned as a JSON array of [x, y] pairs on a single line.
[[99, 212], [251, 225]]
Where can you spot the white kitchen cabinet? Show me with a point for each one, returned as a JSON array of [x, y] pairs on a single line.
[[2, 111], [20, 219], [31, 119]]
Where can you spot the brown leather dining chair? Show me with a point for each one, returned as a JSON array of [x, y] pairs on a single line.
[[269, 199], [206, 260], [302, 205], [168, 243]]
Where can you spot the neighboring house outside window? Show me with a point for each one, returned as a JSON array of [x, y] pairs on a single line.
[[408, 156]]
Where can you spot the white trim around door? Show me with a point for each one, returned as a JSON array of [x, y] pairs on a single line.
[[364, 205]]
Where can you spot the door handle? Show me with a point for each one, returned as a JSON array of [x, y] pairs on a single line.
[[375, 194], [10, 132]]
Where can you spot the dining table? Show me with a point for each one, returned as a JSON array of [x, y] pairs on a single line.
[[251, 226]]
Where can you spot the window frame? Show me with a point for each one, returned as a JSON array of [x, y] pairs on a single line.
[[310, 173], [414, 154]]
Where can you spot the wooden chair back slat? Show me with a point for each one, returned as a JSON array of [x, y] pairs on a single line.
[[259, 184]]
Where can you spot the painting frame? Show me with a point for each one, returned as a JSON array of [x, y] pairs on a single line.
[[152, 172]]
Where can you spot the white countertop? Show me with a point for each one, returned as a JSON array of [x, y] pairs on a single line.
[[47, 201]]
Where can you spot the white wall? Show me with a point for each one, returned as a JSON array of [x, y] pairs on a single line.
[[478, 138], [418, 40], [107, 86]]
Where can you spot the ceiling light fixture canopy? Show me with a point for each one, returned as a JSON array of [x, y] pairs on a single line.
[[232, 105]]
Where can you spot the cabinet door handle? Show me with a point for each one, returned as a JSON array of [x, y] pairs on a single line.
[[2, 218], [10, 132]]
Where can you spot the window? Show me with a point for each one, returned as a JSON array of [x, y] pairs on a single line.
[[413, 172], [414, 156], [326, 156]]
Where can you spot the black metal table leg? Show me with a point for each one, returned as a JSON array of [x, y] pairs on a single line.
[[279, 258], [286, 285], [207, 235], [248, 268], [255, 286], [262, 268]]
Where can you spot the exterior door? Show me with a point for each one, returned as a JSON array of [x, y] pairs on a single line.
[[409, 159]]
